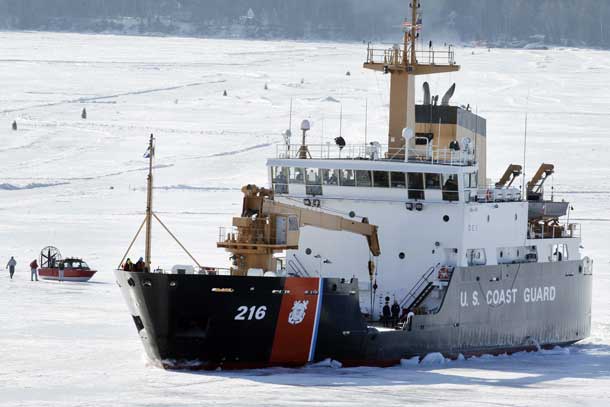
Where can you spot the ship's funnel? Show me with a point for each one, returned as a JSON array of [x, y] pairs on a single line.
[[448, 95], [426, 94]]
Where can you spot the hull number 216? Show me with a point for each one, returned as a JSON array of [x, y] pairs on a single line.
[[244, 313]]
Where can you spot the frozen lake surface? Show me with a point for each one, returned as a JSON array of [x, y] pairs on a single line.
[[80, 185]]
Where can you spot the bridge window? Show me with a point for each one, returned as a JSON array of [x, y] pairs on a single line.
[[297, 175], [279, 177], [398, 180], [313, 177], [330, 177], [470, 180], [433, 181], [347, 178], [363, 178], [313, 182], [416, 185], [381, 179], [450, 187]]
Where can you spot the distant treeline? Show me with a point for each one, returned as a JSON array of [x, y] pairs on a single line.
[[500, 22]]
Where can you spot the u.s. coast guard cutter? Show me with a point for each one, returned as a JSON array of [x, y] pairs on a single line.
[[390, 252]]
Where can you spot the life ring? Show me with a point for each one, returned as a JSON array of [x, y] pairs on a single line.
[[443, 273]]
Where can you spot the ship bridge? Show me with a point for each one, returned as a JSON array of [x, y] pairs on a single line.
[[370, 172]]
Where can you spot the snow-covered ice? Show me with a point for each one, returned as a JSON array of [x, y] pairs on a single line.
[[79, 185]]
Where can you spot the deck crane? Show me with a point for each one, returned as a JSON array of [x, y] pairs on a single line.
[[267, 227]]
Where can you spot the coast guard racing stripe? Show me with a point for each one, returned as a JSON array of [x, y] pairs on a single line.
[[295, 334]]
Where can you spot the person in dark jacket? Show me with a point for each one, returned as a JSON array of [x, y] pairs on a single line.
[[140, 265], [34, 270], [11, 266], [128, 266], [386, 312], [395, 312]]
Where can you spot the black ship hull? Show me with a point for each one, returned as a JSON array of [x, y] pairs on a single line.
[[205, 322]]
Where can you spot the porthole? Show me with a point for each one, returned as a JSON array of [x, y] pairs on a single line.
[[308, 251], [401, 255], [501, 254], [352, 214], [446, 218], [131, 282]]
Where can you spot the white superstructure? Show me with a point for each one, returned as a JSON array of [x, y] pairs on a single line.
[[430, 211]]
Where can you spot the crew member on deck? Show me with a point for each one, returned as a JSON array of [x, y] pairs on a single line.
[[395, 312], [128, 266], [140, 265], [387, 313]]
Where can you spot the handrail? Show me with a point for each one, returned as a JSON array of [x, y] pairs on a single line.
[[396, 56], [304, 270], [565, 231], [412, 294], [379, 152], [295, 269]]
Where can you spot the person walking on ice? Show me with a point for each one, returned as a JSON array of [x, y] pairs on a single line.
[[34, 270], [11, 266]]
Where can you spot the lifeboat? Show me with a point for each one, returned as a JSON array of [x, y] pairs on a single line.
[[54, 267]]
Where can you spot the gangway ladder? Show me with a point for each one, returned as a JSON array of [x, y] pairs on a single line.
[[420, 291]]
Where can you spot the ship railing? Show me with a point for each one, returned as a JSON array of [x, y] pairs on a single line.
[[396, 56], [559, 231], [376, 151], [248, 236], [214, 271], [328, 151], [493, 194], [207, 270], [433, 155]]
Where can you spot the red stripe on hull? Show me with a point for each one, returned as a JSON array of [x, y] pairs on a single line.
[[295, 324]]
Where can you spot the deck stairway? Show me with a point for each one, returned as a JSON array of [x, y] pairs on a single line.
[[295, 267], [420, 290]]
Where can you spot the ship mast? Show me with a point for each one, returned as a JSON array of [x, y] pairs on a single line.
[[403, 65], [150, 153], [149, 212]]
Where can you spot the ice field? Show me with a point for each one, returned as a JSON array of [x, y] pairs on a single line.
[[80, 185]]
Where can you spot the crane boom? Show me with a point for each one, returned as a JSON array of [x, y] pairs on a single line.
[[322, 220], [266, 227]]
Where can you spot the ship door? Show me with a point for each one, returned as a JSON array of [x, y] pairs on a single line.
[[281, 224]]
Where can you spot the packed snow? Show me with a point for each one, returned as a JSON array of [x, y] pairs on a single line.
[[79, 184]]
